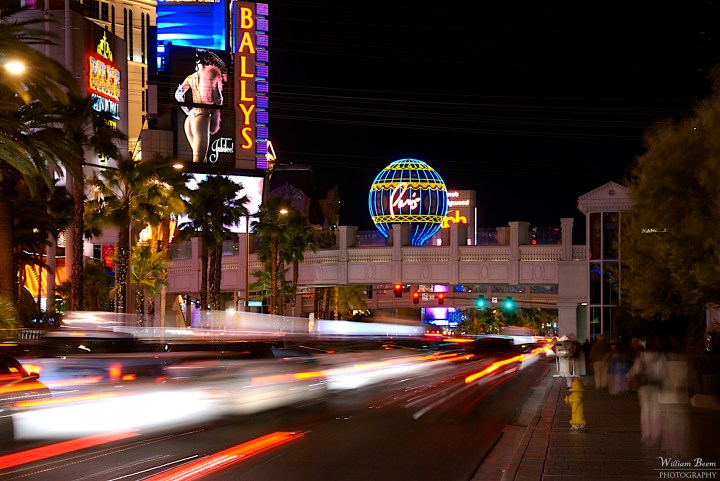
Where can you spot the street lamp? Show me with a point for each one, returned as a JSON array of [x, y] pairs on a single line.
[[15, 67]]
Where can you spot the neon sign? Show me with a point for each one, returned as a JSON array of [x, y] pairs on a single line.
[[104, 80], [409, 191], [397, 202], [455, 218], [252, 87]]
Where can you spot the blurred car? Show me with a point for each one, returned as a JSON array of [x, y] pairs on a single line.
[[17, 387], [252, 385]]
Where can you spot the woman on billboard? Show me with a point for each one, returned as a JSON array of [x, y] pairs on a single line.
[[206, 85]]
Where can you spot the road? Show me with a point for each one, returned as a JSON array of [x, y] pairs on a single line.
[[430, 427]]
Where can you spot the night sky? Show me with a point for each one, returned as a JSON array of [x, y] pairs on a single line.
[[530, 104]]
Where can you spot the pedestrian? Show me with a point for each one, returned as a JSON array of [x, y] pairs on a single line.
[[673, 398], [585, 349], [646, 375], [599, 357], [617, 370]]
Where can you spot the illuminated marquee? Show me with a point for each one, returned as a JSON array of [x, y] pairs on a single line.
[[409, 191], [251, 57], [460, 206], [104, 80]]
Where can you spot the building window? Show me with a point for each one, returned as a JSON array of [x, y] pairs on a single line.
[[125, 24], [142, 37], [611, 234], [595, 235], [112, 18], [104, 14], [130, 35]]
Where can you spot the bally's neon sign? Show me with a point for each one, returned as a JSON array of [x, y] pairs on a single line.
[[104, 80], [251, 68]]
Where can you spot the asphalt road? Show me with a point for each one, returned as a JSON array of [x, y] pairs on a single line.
[[422, 428]]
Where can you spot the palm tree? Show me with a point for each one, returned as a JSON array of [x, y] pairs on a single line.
[[351, 299], [269, 226], [167, 185], [212, 207], [87, 130], [146, 269], [117, 196], [32, 147], [295, 240]]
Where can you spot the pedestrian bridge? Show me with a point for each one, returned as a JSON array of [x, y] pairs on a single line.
[[533, 275]]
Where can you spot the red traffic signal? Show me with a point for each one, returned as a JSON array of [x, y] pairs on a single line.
[[416, 297], [397, 289], [441, 298]]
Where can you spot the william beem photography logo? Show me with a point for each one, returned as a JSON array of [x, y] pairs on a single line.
[[698, 468]]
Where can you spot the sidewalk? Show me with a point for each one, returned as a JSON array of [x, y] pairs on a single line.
[[540, 445]]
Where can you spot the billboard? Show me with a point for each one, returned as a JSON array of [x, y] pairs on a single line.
[[203, 95], [191, 24], [252, 188], [251, 58]]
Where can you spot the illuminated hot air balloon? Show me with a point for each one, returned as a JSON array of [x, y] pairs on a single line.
[[409, 191]]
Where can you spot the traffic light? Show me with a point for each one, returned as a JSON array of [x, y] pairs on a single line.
[[481, 303], [416, 297], [441, 298], [509, 304], [397, 289]]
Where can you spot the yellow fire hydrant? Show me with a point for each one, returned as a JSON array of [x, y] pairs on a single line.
[[575, 401]]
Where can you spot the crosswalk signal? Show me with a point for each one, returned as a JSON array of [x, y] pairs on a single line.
[[481, 303], [441, 298], [397, 289], [509, 304], [416, 297]]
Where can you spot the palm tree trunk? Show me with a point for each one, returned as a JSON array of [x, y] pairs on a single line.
[[296, 267], [140, 299], [273, 274], [204, 257], [217, 281], [281, 288], [212, 264], [165, 247], [9, 179], [122, 267], [336, 315], [78, 227]]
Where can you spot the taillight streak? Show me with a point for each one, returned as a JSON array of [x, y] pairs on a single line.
[[223, 459], [44, 452], [492, 368]]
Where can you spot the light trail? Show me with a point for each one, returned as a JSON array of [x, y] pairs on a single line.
[[44, 452], [223, 459]]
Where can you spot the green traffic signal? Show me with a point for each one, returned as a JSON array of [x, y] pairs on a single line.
[[509, 304], [481, 302]]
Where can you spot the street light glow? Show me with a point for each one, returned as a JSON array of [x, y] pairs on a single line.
[[283, 211], [15, 67]]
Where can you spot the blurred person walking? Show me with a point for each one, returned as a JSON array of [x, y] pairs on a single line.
[[617, 370], [599, 357], [646, 374], [673, 398]]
